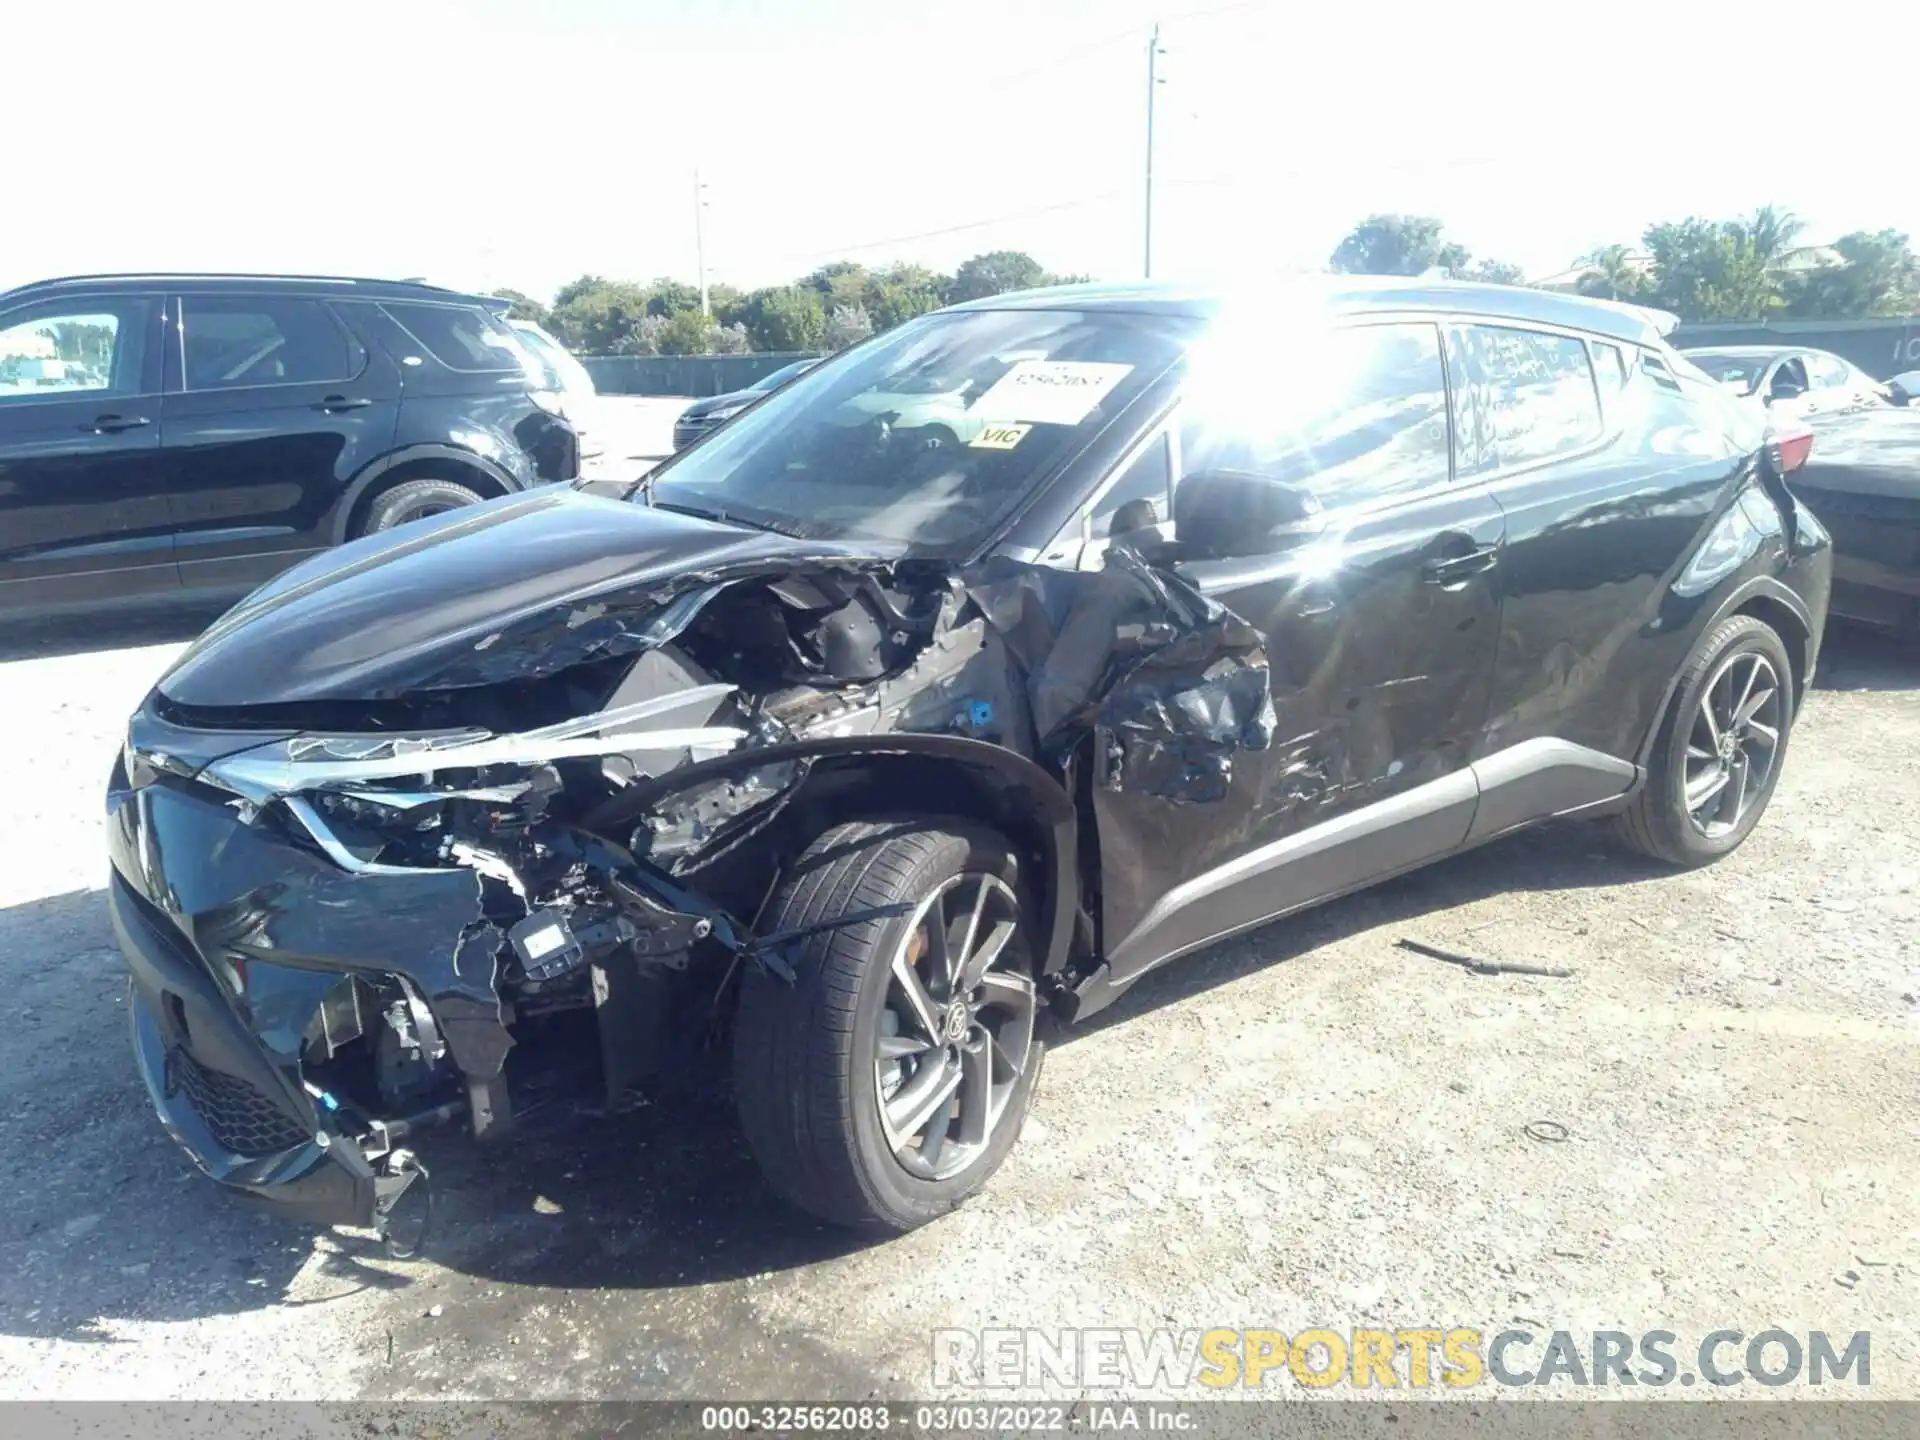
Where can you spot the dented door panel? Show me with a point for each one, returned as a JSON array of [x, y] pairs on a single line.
[[1380, 644]]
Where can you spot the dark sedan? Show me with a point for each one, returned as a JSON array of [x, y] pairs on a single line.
[[701, 416], [1863, 481]]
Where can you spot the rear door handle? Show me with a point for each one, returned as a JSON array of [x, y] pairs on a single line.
[[1452, 569], [114, 424], [343, 402]]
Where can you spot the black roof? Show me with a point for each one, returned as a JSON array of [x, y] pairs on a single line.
[[342, 285], [1347, 294]]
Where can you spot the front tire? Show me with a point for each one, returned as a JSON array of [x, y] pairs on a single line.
[[1718, 754], [890, 1080]]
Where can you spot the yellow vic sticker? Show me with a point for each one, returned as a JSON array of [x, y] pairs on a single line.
[[1000, 437]]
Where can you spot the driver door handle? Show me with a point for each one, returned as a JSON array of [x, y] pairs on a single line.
[[343, 402], [114, 424], [1453, 569]]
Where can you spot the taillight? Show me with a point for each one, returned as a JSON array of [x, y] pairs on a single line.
[[1792, 444]]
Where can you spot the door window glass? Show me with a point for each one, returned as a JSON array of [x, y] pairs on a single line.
[[1361, 416], [1538, 391], [1827, 373], [1144, 485], [94, 347], [462, 337], [236, 343]]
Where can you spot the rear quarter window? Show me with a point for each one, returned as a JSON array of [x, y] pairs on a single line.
[[461, 337], [1537, 391]]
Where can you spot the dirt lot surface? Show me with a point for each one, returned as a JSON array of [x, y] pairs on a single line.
[[1304, 1126]]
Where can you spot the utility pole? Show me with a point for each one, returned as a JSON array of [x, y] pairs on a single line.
[[1154, 82], [700, 239]]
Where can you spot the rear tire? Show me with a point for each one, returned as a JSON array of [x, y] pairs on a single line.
[[865, 1103], [416, 500], [1719, 749]]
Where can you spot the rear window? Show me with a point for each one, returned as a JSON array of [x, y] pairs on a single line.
[[462, 337], [230, 343]]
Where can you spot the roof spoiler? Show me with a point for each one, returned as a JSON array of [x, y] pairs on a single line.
[[1662, 322]]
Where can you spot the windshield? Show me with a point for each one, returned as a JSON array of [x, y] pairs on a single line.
[[1736, 372], [570, 374], [929, 435]]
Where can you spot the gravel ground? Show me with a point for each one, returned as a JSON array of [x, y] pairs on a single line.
[[1304, 1126]]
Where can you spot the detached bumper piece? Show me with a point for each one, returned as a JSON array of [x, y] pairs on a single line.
[[220, 1099]]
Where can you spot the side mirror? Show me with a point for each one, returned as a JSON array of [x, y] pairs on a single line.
[[1784, 390], [1229, 514]]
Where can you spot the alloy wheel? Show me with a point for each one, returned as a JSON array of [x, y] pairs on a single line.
[[1733, 743], [957, 1031]]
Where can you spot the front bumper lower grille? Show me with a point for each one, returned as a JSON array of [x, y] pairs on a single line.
[[239, 1117]]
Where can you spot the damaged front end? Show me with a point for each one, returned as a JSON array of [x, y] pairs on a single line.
[[529, 855]]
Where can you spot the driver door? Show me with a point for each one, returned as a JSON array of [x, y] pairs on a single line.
[[1380, 638]]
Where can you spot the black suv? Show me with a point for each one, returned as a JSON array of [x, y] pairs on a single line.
[[886, 745], [170, 433]]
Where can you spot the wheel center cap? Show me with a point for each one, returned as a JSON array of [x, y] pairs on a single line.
[[954, 1027], [1729, 745]]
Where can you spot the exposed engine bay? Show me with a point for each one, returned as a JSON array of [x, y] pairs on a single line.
[[571, 826]]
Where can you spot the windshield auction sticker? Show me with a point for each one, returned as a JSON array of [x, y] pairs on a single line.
[[1000, 437], [1049, 392]]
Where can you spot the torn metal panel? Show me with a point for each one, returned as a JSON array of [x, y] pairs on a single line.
[[1138, 650]]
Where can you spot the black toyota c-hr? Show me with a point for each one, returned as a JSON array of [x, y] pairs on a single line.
[[187, 435], [892, 734]]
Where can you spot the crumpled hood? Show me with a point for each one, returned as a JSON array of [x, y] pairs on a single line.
[[437, 603]]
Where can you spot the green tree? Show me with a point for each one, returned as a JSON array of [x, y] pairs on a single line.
[[1877, 274], [574, 289], [1612, 274], [670, 297], [841, 282], [1493, 272], [602, 318], [1397, 245], [786, 317], [1769, 232], [1707, 270], [728, 303], [900, 292], [848, 325], [995, 273], [525, 307], [686, 333]]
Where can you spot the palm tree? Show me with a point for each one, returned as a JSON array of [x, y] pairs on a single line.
[[1611, 273], [1769, 232]]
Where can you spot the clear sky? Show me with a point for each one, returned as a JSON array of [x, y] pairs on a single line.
[[523, 142]]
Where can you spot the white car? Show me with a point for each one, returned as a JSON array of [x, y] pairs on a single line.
[[579, 397], [1789, 379]]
